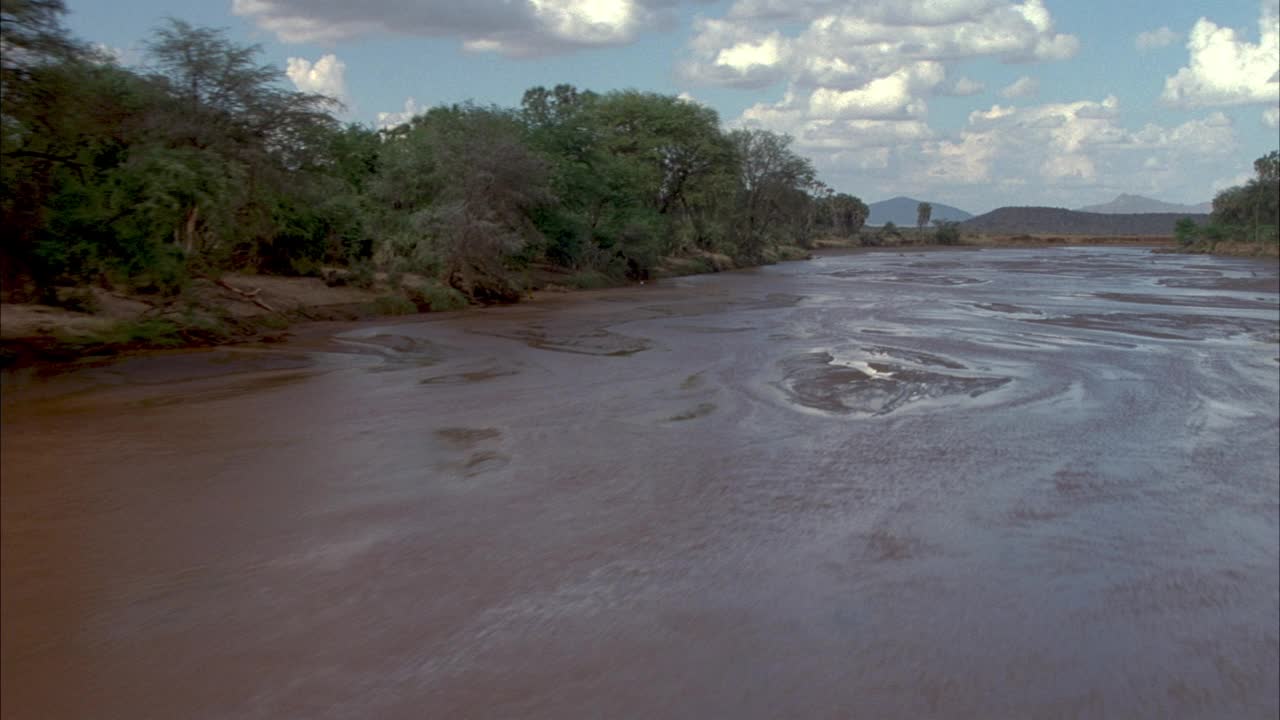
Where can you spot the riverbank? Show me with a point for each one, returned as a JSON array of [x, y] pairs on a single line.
[[239, 308], [1231, 248]]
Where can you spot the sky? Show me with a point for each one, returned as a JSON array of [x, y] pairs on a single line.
[[971, 103]]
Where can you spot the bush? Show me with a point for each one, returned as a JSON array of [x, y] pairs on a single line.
[[434, 297], [889, 234], [792, 252], [589, 280], [1186, 231], [363, 275], [948, 233], [394, 305], [137, 333], [79, 300]]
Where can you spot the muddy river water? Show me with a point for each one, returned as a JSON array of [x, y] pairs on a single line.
[[1033, 483]]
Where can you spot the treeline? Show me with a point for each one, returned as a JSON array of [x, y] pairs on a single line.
[[1245, 213], [199, 161]]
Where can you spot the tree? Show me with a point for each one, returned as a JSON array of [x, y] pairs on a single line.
[[222, 102], [1267, 167], [1185, 231], [31, 35], [1251, 211], [849, 214], [460, 188], [923, 211], [769, 176], [638, 175]]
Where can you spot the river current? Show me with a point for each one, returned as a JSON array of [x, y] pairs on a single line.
[[953, 484]]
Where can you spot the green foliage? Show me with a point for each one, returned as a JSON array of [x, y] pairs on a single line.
[[1186, 231], [947, 232], [1248, 212], [394, 305], [841, 214], [588, 280], [363, 275], [151, 333], [434, 297], [204, 162], [774, 205]]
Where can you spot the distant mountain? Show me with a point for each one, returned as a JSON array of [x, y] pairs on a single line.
[[1137, 204], [902, 211], [1060, 221]]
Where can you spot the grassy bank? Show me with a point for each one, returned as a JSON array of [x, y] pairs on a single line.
[[1232, 248]]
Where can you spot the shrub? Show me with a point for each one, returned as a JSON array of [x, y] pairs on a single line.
[[394, 305], [81, 301], [1186, 231], [434, 297], [144, 333], [363, 275], [588, 280], [948, 233]]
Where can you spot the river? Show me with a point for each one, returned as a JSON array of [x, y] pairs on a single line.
[[957, 484]]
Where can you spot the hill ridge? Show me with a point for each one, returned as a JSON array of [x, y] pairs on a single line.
[[901, 210], [1040, 219], [1130, 204]]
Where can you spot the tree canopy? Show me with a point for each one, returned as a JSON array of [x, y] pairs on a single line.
[[201, 160]]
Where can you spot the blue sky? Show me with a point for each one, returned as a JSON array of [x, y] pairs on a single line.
[[974, 103]]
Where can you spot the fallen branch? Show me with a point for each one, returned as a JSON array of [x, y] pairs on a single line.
[[251, 295]]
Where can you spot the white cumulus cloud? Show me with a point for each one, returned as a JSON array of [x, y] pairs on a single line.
[[326, 76], [510, 27], [845, 45], [1158, 38], [858, 76], [1022, 87], [1063, 154], [1271, 117], [1226, 69], [388, 120]]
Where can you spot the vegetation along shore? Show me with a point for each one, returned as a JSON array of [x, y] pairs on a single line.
[[192, 200]]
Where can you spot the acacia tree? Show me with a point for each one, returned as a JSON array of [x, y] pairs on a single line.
[[221, 101], [770, 175]]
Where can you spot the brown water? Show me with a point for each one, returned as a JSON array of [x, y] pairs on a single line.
[[999, 484]]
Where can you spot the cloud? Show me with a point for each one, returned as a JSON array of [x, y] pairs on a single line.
[[510, 27], [891, 97], [126, 57], [1022, 87], [1062, 154], [1225, 69], [1158, 38], [326, 76], [962, 87], [845, 45], [1271, 117], [858, 76], [388, 120]]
